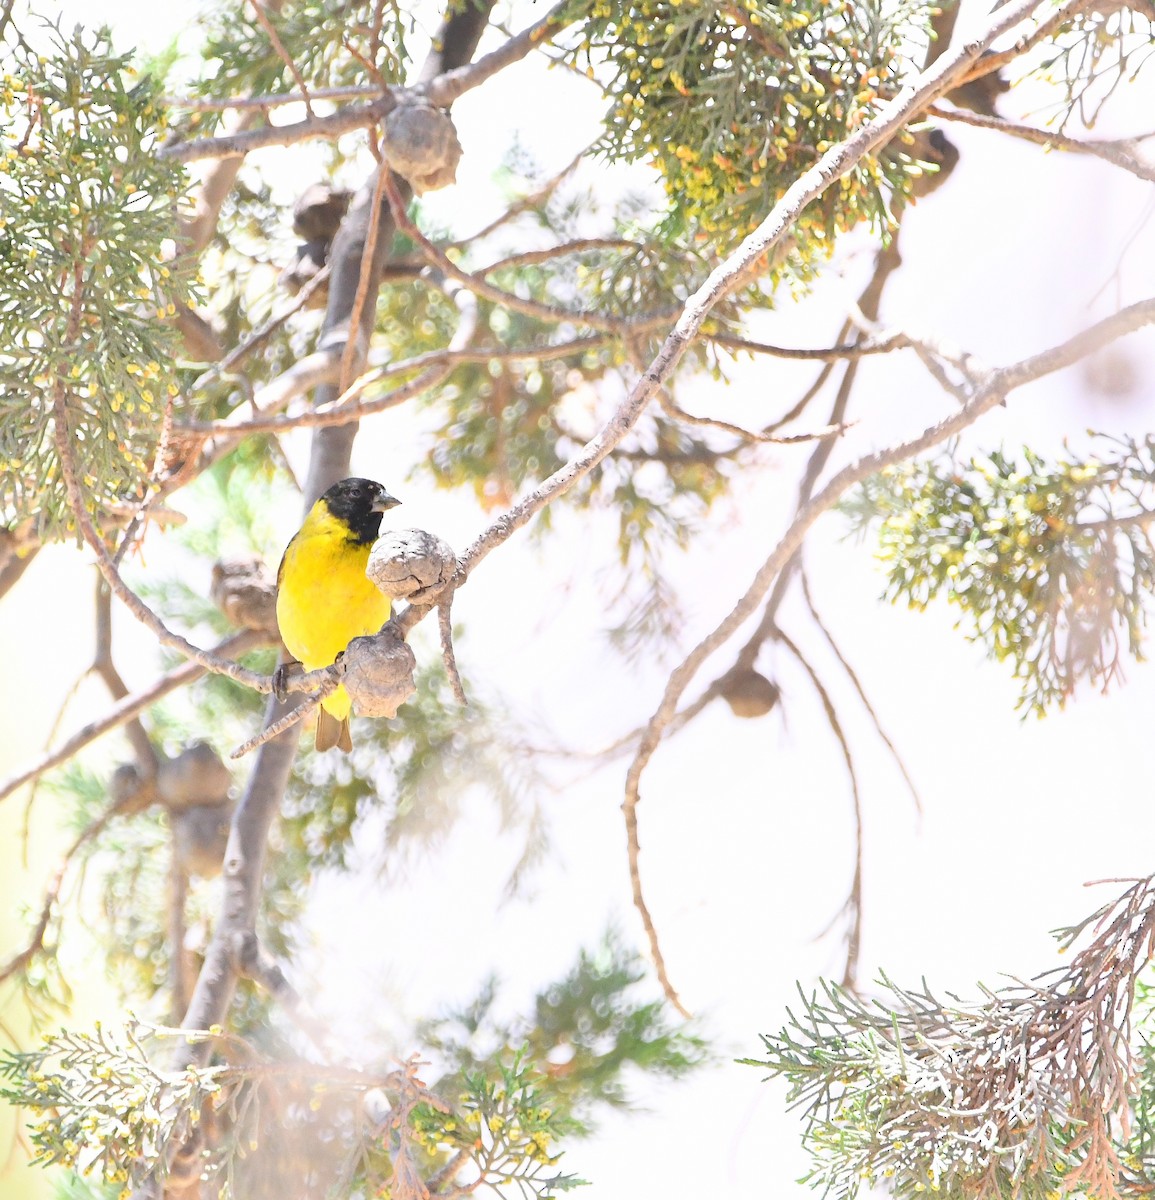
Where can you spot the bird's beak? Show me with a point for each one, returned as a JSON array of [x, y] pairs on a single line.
[[384, 502]]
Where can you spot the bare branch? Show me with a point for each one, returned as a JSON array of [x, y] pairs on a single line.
[[237, 145], [526, 202], [1119, 153], [290, 719], [453, 84], [842, 350], [271, 100]]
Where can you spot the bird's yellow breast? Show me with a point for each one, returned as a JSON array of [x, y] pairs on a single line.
[[323, 597]]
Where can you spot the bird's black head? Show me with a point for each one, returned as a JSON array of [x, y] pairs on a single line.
[[359, 503]]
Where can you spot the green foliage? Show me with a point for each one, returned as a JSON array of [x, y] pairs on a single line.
[[1050, 561], [351, 43], [88, 279], [1101, 48], [103, 1108], [1023, 1093], [734, 101], [584, 1034], [101, 1104]]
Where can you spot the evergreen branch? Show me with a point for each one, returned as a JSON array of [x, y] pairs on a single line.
[[1119, 153], [127, 709], [476, 282]]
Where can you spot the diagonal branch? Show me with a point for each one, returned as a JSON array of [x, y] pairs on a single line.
[[992, 392]]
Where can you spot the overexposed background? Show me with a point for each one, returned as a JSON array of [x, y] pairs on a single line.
[[745, 826]]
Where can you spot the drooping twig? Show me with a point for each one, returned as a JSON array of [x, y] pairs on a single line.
[[354, 350], [445, 628], [852, 906], [852, 675]]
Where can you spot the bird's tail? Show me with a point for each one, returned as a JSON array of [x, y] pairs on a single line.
[[332, 732]]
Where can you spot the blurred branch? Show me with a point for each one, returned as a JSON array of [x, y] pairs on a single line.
[[237, 145], [441, 90], [35, 944], [103, 665], [526, 203], [346, 408], [128, 708]]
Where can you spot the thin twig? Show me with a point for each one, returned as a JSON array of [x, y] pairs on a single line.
[[344, 409], [352, 352], [270, 100], [842, 350], [35, 944], [526, 202], [283, 54], [853, 903], [259, 336], [478, 284], [286, 722], [992, 393], [852, 675], [1118, 153]]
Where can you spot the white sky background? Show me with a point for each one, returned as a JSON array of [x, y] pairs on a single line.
[[745, 826]]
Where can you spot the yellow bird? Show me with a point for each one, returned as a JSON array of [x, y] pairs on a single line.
[[324, 599]]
